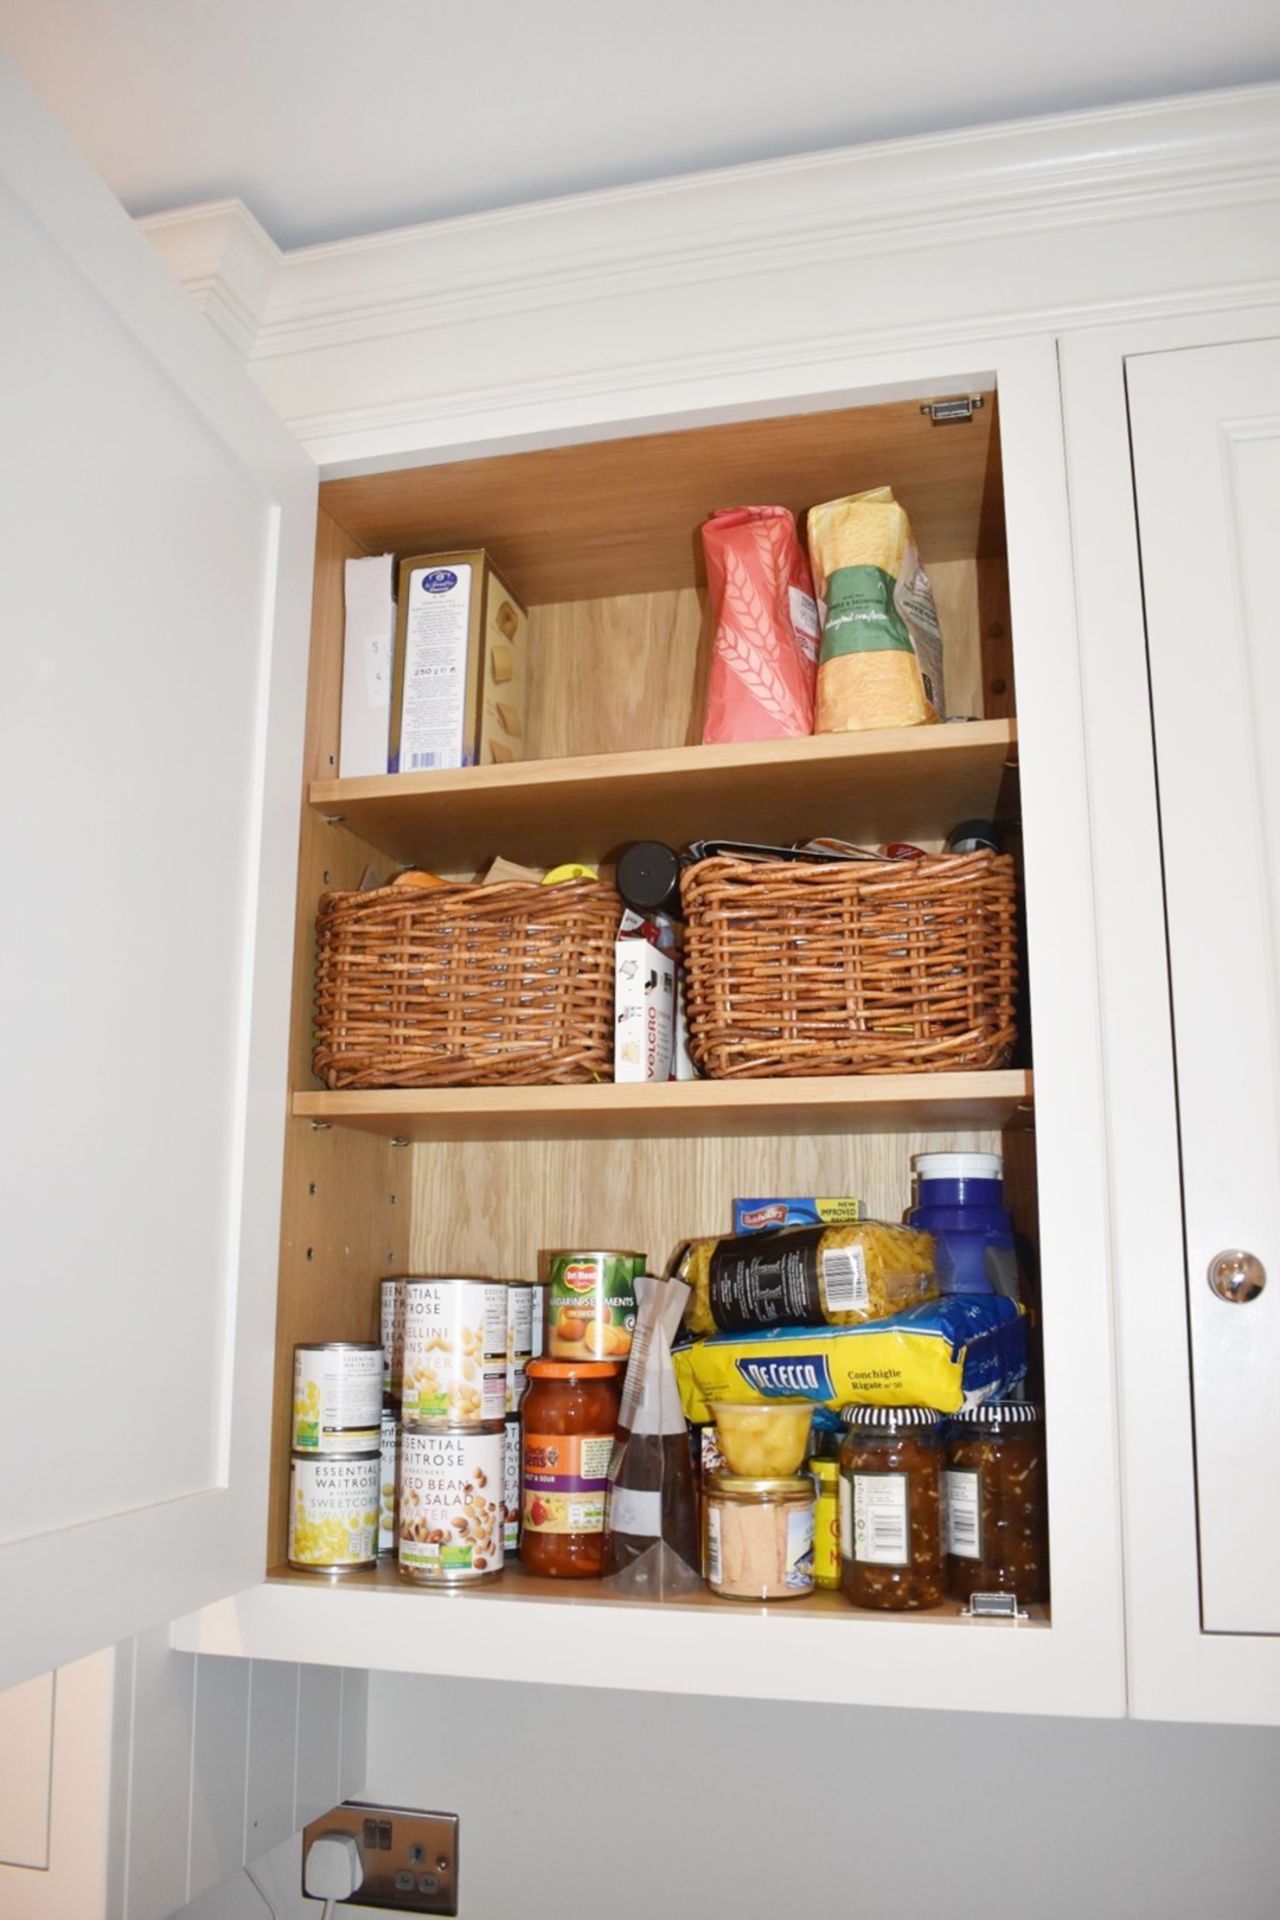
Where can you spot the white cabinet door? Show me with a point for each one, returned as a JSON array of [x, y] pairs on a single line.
[[1206, 447], [157, 530]]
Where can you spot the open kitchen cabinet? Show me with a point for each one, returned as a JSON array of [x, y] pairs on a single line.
[[601, 540]]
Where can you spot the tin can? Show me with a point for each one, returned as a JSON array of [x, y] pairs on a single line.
[[392, 1338], [333, 1511], [538, 1319], [455, 1351], [451, 1503], [590, 1304], [825, 1475], [337, 1396], [389, 1480], [511, 1484], [519, 1340]]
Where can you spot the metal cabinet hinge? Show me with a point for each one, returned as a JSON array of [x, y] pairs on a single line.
[[944, 413]]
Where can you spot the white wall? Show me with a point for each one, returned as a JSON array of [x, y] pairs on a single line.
[[582, 1803]]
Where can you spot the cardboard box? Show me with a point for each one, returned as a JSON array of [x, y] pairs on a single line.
[[368, 647], [644, 980], [458, 697], [765, 1216]]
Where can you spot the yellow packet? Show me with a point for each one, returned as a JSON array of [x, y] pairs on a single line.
[[881, 658]]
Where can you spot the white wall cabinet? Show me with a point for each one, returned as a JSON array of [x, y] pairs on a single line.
[[1206, 441], [444, 346], [1169, 566]]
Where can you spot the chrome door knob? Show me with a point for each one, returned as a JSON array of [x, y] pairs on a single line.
[[1237, 1277]]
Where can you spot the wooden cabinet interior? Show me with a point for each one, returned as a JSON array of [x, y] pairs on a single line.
[[602, 540]]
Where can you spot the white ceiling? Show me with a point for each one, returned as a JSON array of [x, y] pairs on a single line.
[[330, 118]]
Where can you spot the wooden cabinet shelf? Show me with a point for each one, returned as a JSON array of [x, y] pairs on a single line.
[[904, 783], [699, 1109]]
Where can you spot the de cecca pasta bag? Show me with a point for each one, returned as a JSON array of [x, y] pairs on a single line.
[[881, 658], [765, 655], [950, 1353]]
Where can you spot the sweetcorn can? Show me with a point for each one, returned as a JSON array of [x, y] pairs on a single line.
[[590, 1303], [455, 1351], [333, 1511], [519, 1340], [451, 1520], [511, 1483], [392, 1338], [389, 1480], [337, 1396]]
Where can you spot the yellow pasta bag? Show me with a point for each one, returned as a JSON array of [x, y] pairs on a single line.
[[881, 658], [832, 1276]]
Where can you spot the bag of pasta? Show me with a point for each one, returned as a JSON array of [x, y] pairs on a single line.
[[881, 658], [806, 1277]]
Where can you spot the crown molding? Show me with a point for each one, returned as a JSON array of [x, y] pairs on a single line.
[[225, 260], [746, 266]]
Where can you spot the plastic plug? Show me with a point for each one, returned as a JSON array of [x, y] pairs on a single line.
[[333, 1869]]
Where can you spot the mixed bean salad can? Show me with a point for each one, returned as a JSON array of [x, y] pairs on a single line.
[[451, 1519]]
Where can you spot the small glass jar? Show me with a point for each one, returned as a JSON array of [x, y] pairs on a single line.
[[826, 1522], [759, 1543], [995, 1534], [890, 1507], [568, 1416]]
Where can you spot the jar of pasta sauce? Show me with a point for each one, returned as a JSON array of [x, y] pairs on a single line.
[[995, 1534], [569, 1417], [890, 1507]]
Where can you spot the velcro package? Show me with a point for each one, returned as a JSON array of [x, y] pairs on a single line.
[[949, 1353]]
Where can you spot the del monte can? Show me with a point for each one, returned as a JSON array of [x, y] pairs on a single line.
[[590, 1302]]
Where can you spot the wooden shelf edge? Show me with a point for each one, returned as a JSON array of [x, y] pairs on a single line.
[[873, 1103], [522, 777]]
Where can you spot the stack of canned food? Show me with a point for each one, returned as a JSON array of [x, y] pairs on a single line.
[[413, 1447]]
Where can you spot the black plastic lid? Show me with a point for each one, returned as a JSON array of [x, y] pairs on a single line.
[[648, 878]]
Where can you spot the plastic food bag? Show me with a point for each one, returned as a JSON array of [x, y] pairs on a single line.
[[881, 660], [766, 647], [807, 1276], [651, 1519], [948, 1354]]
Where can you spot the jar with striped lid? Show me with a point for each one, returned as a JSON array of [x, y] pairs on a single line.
[[890, 1507], [994, 1525]]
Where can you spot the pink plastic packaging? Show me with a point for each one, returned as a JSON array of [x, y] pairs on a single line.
[[765, 661]]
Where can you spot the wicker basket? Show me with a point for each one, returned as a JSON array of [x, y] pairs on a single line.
[[507, 985], [851, 966]]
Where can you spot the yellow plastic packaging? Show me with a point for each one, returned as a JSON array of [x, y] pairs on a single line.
[[881, 659], [946, 1354], [835, 1276]]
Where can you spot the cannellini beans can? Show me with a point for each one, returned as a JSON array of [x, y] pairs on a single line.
[[511, 1483], [519, 1340], [455, 1351], [389, 1480], [392, 1338], [451, 1504], [337, 1396], [333, 1511]]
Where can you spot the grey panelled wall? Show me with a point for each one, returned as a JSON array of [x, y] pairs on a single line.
[[220, 1761], [580, 1803]]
